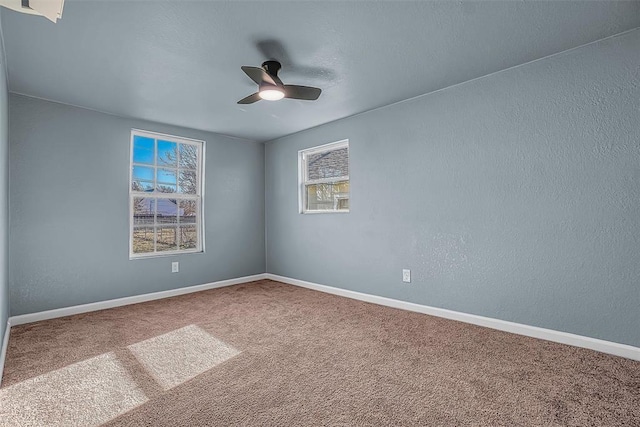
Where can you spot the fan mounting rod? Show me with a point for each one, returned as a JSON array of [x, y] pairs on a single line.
[[272, 67]]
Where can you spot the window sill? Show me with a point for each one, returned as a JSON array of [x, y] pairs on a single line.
[[163, 254], [324, 212]]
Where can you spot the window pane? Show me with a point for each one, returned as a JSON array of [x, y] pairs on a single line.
[[143, 210], [142, 186], [167, 153], [167, 176], [187, 182], [143, 150], [188, 156], [328, 197], [188, 211], [188, 237], [143, 239], [142, 173], [166, 239], [330, 164], [166, 188], [167, 211]]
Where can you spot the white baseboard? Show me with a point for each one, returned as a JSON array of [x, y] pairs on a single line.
[[3, 350], [102, 305], [609, 347]]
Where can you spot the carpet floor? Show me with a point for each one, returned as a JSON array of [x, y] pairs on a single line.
[[266, 353]]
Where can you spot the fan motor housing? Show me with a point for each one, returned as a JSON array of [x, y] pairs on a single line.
[[272, 67]]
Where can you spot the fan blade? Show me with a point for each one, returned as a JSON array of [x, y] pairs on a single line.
[[301, 92], [250, 99], [258, 75]]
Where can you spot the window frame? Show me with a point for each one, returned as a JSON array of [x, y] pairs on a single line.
[[198, 197], [302, 176]]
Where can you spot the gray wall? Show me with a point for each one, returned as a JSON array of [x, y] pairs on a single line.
[[4, 196], [69, 171], [515, 196]]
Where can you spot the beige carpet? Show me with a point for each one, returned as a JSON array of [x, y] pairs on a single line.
[[267, 353]]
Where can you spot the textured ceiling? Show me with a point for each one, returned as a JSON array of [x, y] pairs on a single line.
[[178, 62]]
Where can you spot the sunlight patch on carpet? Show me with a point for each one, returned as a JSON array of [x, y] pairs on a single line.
[[180, 355], [87, 393]]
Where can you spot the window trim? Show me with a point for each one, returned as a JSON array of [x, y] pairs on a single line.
[[200, 220], [302, 174]]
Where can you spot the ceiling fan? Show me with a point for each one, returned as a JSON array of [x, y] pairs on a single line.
[[271, 88]]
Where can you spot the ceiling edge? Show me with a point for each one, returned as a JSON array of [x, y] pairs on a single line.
[[560, 53], [134, 118], [3, 54]]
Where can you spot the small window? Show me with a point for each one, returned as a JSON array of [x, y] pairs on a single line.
[[165, 195], [324, 178]]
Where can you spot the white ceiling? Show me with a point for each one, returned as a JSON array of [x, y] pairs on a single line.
[[178, 62]]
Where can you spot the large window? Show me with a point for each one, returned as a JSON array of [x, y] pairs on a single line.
[[324, 178], [165, 195]]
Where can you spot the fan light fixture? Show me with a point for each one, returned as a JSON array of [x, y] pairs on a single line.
[[271, 88], [271, 94]]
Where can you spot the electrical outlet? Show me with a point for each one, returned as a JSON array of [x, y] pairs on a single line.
[[406, 276], [175, 267]]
